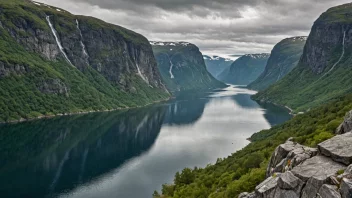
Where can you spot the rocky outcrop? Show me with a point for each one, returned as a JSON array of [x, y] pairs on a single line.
[[346, 125], [339, 148], [53, 86], [284, 57], [245, 70], [287, 156], [6, 69], [296, 171]]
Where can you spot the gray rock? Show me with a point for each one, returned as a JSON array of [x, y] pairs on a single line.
[[318, 167], [346, 125], [289, 155], [278, 156], [279, 193], [247, 195], [288, 181], [338, 148], [316, 172], [346, 188], [267, 188], [328, 191]]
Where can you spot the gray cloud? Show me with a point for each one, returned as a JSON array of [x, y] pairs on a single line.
[[218, 27]]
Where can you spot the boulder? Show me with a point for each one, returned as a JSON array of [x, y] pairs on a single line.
[[346, 188], [328, 191], [289, 155], [280, 154], [267, 188], [339, 148], [288, 181], [316, 172], [247, 195], [346, 125]]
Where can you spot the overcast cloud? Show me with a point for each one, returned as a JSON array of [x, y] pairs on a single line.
[[217, 27]]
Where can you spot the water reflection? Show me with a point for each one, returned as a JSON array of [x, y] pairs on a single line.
[[127, 153], [45, 158]]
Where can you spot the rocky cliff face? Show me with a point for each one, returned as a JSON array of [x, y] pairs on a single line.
[[324, 69], [182, 66], [245, 70], [216, 64], [75, 57], [284, 57], [298, 171]]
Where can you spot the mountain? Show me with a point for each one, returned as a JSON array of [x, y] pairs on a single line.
[[284, 57], [245, 70], [216, 64], [182, 66], [53, 62], [324, 71]]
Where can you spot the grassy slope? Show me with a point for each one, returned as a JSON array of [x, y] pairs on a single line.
[[302, 89], [89, 90], [245, 169], [283, 59]]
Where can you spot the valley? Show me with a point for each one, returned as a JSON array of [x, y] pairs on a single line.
[[180, 100]]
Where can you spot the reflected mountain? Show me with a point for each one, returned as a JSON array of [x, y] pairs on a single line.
[[275, 114], [48, 157], [244, 100], [186, 108]]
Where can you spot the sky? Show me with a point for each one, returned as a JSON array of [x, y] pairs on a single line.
[[217, 27]]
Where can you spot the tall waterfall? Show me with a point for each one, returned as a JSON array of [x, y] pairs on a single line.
[[170, 70], [140, 73], [342, 54], [85, 53], [57, 40]]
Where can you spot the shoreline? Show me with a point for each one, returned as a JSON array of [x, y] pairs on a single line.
[[22, 120]]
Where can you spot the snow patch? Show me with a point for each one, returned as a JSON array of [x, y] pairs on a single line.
[[36, 3], [58, 10], [157, 43]]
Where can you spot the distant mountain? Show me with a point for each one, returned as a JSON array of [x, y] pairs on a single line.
[[216, 64], [325, 69], [182, 67], [284, 57], [53, 62], [245, 70]]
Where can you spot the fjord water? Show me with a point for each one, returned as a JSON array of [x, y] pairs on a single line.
[[128, 154]]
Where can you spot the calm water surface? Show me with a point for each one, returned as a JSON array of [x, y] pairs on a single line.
[[128, 154]]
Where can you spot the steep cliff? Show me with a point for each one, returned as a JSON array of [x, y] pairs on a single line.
[[53, 62], [284, 57], [324, 71], [182, 66], [216, 64], [245, 70]]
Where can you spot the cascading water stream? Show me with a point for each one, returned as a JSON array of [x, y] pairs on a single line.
[[140, 73], [343, 53], [85, 53], [170, 71], [57, 39]]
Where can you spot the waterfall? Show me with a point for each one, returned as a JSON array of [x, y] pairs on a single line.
[[170, 71], [59, 170], [82, 44], [342, 54], [57, 40], [140, 73]]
